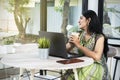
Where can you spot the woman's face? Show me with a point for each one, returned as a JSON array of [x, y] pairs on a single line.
[[83, 22]]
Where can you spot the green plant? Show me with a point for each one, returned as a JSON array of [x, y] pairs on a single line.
[[8, 41], [43, 43]]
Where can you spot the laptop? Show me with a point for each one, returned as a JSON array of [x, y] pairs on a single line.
[[57, 45]]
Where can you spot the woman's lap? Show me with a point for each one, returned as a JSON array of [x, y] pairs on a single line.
[[91, 72]]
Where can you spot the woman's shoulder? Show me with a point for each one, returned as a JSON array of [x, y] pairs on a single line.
[[99, 36]]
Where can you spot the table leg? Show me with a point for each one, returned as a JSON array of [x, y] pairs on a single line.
[[32, 72], [21, 73], [75, 74]]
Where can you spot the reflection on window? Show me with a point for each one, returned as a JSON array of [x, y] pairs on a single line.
[[54, 15], [111, 18]]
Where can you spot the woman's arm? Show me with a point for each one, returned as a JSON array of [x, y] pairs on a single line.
[[69, 46], [98, 51]]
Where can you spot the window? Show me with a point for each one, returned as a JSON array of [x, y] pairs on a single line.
[[111, 18]]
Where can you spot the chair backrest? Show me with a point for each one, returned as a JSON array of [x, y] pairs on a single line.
[[112, 51]]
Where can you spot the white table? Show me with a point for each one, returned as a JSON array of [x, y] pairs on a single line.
[[31, 61]]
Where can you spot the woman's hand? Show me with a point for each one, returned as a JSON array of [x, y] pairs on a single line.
[[74, 39]]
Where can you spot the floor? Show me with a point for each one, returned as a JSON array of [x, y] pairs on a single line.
[[13, 74], [8, 72]]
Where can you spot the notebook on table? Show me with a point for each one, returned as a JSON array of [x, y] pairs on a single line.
[[70, 61], [57, 45]]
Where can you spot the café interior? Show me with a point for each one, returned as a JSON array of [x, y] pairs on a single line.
[[21, 24]]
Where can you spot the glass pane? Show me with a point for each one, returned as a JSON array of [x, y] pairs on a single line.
[[20, 21], [111, 18], [54, 14]]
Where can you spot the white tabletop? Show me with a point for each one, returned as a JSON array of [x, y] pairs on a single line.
[[32, 61]]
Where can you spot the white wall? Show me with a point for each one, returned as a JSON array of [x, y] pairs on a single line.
[[93, 5]]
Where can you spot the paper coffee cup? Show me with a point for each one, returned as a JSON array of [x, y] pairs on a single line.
[[75, 33]]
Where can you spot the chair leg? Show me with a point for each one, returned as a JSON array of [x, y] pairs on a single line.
[[115, 69], [43, 72]]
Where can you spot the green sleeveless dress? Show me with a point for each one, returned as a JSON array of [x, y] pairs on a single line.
[[96, 71]]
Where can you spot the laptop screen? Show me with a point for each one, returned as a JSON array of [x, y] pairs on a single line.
[[57, 43]]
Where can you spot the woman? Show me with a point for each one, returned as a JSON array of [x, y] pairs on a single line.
[[91, 42]]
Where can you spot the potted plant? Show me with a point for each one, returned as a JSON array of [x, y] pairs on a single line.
[[8, 43], [43, 45]]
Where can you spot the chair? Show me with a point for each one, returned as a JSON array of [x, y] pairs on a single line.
[[111, 53], [43, 74], [47, 76], [117, 58]]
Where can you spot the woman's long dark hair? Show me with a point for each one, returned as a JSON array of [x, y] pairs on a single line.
[[96, 27]]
